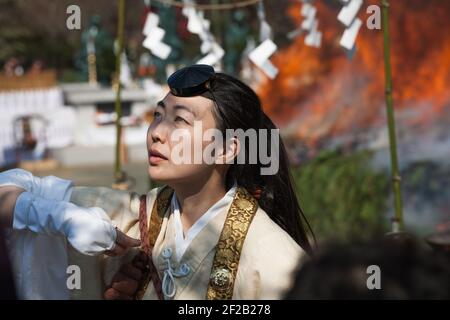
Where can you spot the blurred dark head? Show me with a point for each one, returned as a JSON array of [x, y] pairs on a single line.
[[407, 269]]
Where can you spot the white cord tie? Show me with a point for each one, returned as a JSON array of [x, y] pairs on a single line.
[[169, 288]]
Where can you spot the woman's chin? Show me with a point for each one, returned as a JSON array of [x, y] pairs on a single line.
[[158, 174]]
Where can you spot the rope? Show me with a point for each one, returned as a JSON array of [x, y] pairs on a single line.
[[220, 6]]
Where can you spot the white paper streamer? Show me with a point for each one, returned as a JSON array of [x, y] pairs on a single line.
[[260, 57], [310, 16], [314, 37], [309, 24], [265, 31], [154, 37], [349, 37], [151, 22], [214, 56], [197, 24], [349, 11]]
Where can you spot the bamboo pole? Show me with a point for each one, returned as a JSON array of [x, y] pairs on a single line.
[[397, 221], [118, 105]]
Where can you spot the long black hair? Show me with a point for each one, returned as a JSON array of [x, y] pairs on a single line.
[[238, 107]]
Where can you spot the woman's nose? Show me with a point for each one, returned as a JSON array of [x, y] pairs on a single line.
[[156, 133]]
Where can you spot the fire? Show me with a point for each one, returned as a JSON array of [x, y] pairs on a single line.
[[321, 93]]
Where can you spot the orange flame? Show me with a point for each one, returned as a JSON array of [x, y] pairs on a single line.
[[328, 94]]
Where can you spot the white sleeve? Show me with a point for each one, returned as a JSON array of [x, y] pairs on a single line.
[[51, 187], [89, 230], [55, 188]]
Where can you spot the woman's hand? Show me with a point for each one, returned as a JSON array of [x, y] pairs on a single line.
[[122, 244]]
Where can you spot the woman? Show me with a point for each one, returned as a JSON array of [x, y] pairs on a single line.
[[219, 229]]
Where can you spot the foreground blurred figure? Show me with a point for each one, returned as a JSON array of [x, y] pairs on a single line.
[[407, 270]]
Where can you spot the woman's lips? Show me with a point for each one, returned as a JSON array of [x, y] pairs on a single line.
[[155, 157]]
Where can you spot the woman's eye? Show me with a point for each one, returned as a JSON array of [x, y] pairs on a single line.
[[156, 114], [180, 119]]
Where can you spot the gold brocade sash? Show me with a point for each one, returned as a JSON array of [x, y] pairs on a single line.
[[229, 247], [228, 253]]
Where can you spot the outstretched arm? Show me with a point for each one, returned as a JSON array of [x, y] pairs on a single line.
[[87, 229], [50, 187]]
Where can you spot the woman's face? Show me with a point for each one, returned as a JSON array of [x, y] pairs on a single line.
[[174, 119]]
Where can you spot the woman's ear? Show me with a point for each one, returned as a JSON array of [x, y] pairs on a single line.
[[230, 151]]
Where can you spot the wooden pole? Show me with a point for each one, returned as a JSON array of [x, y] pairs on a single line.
[[118, 105]]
